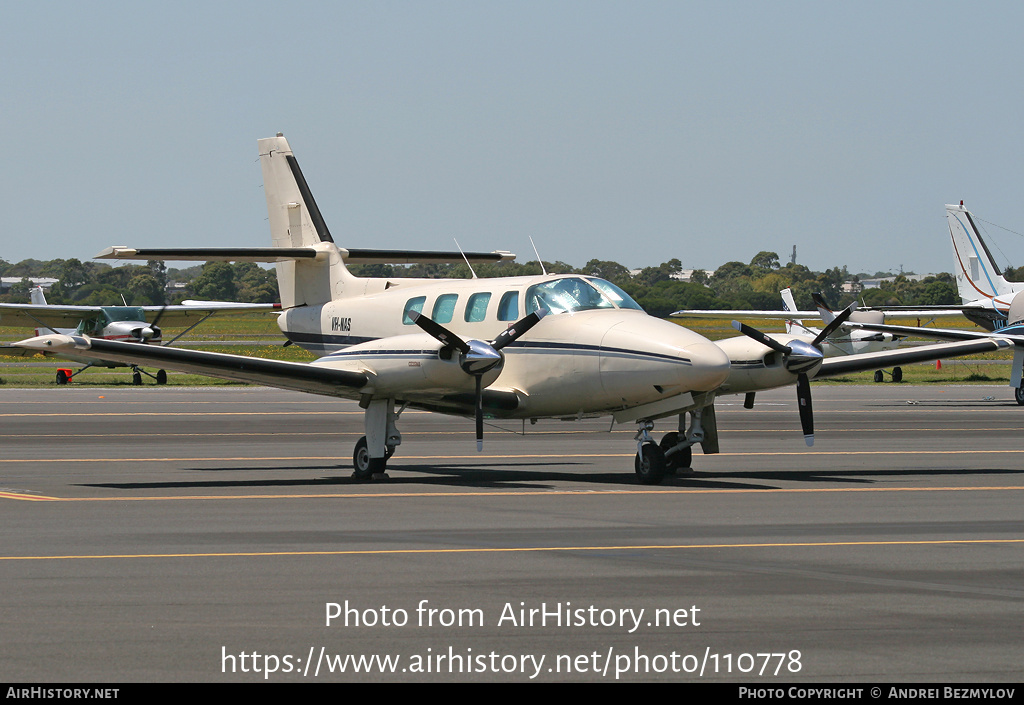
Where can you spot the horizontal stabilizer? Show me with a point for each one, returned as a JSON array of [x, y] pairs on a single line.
[[285, 254], [59, 316]]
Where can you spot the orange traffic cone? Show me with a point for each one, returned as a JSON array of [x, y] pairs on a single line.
[[938, 364]]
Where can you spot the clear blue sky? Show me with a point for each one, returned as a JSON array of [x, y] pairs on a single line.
[[627, 131]]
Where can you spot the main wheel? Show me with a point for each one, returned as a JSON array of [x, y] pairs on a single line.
[[365, 466], [878, 376], [161, 377], [137, 378], [650, 464], [62, 377], [679, 460], [897, 374], [1018, 394]]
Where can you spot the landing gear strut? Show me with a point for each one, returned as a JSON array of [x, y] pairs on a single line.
[[373, 450], [675, 452]]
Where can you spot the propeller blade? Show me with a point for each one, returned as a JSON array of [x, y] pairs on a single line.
[[803, 398], [517, 329], [761, 338], [479, 415], [439, 332], [154, 327], [839, 320]]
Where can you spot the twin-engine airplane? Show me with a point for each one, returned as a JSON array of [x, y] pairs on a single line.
[[547, 346], [114, 323]]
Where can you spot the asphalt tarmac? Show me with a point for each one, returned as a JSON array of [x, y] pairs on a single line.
[[215, 534]]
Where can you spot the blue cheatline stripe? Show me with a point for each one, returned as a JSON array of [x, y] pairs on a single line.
[[519, 346]]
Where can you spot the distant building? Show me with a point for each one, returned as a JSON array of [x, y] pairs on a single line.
[[876, 283], [7, 282]]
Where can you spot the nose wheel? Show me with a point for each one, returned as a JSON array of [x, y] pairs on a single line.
[[650, 464]]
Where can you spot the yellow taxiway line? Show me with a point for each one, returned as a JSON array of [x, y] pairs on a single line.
[[514, 549], [500, 493]]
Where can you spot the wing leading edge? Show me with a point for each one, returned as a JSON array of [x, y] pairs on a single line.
[[298, 376], [925, 353]]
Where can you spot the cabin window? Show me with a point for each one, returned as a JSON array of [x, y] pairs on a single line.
[[508, 307], [476, 306], [414, 304], [444, 308]]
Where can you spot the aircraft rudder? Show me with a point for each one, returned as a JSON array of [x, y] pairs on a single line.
[[977, 274]]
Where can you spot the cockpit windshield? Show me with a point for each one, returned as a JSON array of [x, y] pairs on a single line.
[[570, 294], [124, 313]]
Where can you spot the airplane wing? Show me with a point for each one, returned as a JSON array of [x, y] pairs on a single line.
[[934, 333], [35, 315], [298, 376], [920, 311], [780, 315], [891, 358], [47, 315]]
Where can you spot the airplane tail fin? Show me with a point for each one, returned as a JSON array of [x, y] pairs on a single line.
[[977, 274], [827, 314], [295, 221], [38, 298], [789, 304]]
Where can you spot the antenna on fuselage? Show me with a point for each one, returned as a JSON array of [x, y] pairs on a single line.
[[539, 260], [465, 258]]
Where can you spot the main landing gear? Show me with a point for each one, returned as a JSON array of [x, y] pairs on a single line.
[[897, 375], [63, 376], [372, 451]]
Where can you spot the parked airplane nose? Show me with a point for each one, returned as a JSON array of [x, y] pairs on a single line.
[[641, 352]]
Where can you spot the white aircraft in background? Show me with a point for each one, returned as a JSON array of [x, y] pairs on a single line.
[[113, 323], [985, 294], [546, 346], [989, 299]]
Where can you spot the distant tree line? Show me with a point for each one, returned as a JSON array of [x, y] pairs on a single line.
[[734, 285]]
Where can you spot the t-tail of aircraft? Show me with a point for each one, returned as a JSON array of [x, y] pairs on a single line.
[[296, 222], [977, 275], [311, 268]]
